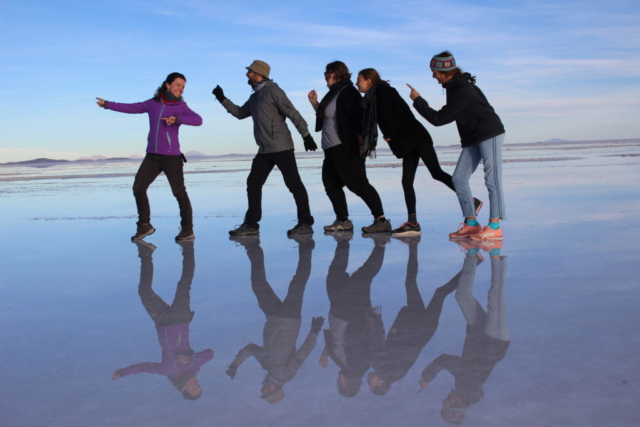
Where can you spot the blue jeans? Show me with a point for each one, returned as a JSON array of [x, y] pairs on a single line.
[[490, 152]]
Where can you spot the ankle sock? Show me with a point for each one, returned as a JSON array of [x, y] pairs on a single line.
[[494, 225], [471, 222], [473, 251], [494, 252]]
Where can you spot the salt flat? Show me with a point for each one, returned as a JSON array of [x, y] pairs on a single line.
[[553, 340]]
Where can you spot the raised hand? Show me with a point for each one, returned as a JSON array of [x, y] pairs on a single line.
[[414, 93], [100, 102], [218, 93]]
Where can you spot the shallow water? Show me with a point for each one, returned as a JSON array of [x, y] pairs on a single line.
[[76, 301]]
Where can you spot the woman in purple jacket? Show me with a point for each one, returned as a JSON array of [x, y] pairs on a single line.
[[167, 111]]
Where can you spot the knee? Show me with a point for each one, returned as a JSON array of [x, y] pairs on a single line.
[[139, 190], [459, 180]]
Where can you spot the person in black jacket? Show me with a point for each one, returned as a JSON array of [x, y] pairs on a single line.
[[406, 136], [339, 117], [481, 135]]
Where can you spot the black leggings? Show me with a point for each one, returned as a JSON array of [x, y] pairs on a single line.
[[149, 170], [427, 153], [260, 169]]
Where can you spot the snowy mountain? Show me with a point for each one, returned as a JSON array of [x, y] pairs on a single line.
[[194, 153], [94, 157]]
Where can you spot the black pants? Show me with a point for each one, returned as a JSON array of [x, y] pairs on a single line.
[[260, 169], [427, 153], [341, 169], [149, 170], [162, 313], [268, 301]]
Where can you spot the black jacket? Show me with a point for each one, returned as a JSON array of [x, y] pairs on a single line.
[[466, 104], [348, 118], [397, 122]]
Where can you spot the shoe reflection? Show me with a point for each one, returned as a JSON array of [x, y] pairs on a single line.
[[487, 338], [413, 327], [278, 354], [180, 364], [356, 334]]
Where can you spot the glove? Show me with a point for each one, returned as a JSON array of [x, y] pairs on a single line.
[[316, 324], [231, 372], [309, 143], [219, 94]]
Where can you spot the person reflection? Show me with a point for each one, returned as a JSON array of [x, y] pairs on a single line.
[[356, 333], [413, 327], [180, 364], [278, 355], [487, 339]]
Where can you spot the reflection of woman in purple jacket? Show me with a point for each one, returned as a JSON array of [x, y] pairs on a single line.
[[167, 111]]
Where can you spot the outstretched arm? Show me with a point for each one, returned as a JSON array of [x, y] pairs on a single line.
[[135, 108]]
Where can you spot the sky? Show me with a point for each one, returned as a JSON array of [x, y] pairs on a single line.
[[550, 69]]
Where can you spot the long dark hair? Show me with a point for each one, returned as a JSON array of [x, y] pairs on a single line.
[[170, 78], [456, 71], [372, 74]]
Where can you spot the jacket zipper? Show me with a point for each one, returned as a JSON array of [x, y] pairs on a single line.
[[158, 127], [169, 140]]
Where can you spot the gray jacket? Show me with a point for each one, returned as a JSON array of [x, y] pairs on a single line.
[[269, 107]]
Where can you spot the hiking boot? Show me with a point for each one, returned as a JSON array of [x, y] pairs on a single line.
[[340, 236], [378, 239], [145, 249], [300, 228], [186, 233], [477, 204], [246, 241], [408, 229], [304, 240], [409, 240], [487, 233], [187, 247], [339, 225], [144, 229], [245, 230], [380, 225], [465, 231]]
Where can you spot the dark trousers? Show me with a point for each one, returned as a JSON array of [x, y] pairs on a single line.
[[149, 170], [268, 301], [427, 153], [162, 313], [260, 169], [341, 169]]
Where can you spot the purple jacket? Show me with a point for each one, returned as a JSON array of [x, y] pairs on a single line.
[[174, 340], [162, 139]]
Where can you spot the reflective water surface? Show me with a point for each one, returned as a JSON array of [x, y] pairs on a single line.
[[324, 330]]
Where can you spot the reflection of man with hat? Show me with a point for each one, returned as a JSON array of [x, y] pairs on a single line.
[[270, 107]]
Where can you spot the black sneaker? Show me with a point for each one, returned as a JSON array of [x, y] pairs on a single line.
[[407, 229], [304, 240], [245, 230], [186, 233], [248, 242], [380, 225], [409, 240], [300, 228], [379, 239], [477, 204], [338, 225], [145, 249], [340, 236], [144, 229]]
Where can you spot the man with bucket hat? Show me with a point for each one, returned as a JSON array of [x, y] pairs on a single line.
[[269, 107]]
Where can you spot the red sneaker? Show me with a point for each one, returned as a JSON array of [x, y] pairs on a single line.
[[465, 231], [487, 233]]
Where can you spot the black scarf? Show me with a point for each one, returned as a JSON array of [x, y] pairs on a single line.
[[333, 91], [169, 97], [369, 123]]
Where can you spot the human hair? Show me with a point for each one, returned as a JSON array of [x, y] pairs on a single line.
[[372, 74], [179, 382], [170, 78], [339, 70], [456, 71]]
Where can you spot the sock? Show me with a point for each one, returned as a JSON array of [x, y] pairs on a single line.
[[413, 218], [494, 252], [473, 251], [494, 225], [471, 222]]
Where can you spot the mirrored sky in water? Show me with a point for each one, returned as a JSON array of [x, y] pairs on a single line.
[[333, 330]]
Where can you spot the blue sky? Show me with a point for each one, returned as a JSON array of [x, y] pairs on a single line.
[[551, 69]]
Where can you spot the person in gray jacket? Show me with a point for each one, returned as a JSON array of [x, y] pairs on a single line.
[[269, 107]]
